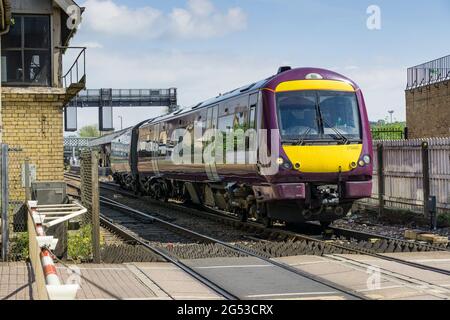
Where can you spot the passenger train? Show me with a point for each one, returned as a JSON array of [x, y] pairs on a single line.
[[314, 123]]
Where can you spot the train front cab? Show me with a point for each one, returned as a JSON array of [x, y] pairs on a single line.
[[326, 150]]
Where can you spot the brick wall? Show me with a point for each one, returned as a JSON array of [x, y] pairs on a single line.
[[33, 122], [428, 111]]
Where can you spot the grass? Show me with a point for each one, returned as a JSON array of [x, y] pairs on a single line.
[[19, 249], [80, 244]]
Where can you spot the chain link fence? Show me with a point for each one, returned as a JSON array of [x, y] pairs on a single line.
[[14, 239]]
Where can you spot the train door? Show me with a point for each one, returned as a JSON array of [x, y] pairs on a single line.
[[251, 140], [211, 124]]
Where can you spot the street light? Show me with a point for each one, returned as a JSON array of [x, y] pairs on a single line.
[[391, 112], [121, 122]]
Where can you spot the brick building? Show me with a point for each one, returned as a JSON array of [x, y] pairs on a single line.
[[428, 99], [34, 88]]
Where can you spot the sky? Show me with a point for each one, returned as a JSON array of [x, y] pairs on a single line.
[[207, 47]]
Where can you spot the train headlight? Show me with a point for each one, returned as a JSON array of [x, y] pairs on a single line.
[[367, 159], [284, 163], [313, 76], [287, 165], [353, 165], [361, 163]]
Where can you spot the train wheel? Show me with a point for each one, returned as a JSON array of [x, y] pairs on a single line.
[[325, 224], [242, 215], [267, 222]]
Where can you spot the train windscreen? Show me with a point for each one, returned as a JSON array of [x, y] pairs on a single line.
[[318, 116]]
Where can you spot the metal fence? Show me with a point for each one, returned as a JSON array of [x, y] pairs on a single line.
[[407, 172], [13, 217], [428, 73], [389, 133]]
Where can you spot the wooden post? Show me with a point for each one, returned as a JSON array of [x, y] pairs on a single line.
[[95, 214], [426, 177], [381, 182]]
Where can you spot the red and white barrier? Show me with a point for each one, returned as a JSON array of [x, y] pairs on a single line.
[[55, 290]]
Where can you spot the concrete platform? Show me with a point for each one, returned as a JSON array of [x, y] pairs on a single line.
[[247, 278], [139, 281], [135, 281], [381, 279], [16, 281], [254, 279]]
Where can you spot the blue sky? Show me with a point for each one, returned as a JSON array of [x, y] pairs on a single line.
[[204, 47]]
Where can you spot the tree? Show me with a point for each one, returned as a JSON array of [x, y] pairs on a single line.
[[89, 132]]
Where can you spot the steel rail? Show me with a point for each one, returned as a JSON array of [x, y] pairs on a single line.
[[296, 236], [123, 233]]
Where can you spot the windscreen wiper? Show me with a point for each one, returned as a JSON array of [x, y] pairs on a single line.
[[344, 139], [301, 140]]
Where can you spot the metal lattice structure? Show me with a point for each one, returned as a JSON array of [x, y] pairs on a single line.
[[125, 98], [107, 99], [429, 73], [74, 142]]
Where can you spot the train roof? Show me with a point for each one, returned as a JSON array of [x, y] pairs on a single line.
[[108, 138], [284, 74]]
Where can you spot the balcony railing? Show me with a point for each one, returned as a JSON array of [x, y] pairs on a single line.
[[77, 71], [429, 73]]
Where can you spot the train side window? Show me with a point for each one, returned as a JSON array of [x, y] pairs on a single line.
[[253, 102], [163, 140], [226, 124]]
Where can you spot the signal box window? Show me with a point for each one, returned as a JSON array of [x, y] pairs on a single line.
[[26, 58]]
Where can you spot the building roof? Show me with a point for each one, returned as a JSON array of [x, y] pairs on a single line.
[[65, 4]]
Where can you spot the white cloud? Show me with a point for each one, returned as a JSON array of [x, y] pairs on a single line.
[[383, 89], [105, 16], [200, 19], [92, 45]]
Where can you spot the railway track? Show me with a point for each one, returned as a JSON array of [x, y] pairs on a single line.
[[205, 241], [175, 243], [276, 242]]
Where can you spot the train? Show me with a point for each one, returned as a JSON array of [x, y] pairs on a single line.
[[293, 148]]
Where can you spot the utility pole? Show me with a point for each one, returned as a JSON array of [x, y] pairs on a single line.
[[121, 122]]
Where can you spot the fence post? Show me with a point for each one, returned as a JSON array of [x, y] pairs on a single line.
[[426, 177], [4, 202], [406, 133], [381, 182], [95, 208], [27, 180]]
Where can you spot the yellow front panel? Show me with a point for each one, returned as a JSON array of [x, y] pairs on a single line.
[[297, 85], [324, 159]]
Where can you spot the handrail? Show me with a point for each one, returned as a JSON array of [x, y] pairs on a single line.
[[74, 66], [48, 283], [429, 73]]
